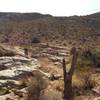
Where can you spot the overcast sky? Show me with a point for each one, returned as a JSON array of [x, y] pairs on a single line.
[[53, 7]]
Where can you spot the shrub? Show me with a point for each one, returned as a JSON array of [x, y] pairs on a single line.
[[90, 58], [82, 82], [35, 87], [88, 82], [35, 40]]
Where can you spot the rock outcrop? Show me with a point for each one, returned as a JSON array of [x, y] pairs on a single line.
[[14, 71]]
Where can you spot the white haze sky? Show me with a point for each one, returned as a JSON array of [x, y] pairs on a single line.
[[53, 7]]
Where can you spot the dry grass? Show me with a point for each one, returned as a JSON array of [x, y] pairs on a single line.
[[52, 95], [78, 82], [82, 82], [59, 85]]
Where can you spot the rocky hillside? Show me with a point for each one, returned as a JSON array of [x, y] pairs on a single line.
[[40, 76], [34, 72], [25, 28]]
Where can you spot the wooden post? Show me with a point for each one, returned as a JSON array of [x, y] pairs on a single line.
[[68, 93]]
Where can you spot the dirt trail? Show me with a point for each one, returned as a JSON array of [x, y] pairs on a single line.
[[49, 66]]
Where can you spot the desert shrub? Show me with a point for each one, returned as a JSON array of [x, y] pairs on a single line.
[[35, 86], [35, 40], [82, 82], [59, 86], [89, 58], [92, 57], [88, 82], [84, 60], [97, 60]]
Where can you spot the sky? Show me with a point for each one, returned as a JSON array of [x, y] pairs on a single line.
[[53, 7]]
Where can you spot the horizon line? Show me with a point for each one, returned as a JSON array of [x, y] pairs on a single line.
[[18, 12]]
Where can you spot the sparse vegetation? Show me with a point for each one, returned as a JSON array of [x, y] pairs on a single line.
[[83, 82], [58, 34], [35, 40], [89, 58], [49, 28], [52, 95], [88, 82], [35, 87]]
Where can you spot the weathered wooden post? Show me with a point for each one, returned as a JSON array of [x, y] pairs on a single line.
[[68, 93]]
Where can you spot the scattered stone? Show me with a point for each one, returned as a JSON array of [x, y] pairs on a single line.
[[56, 59], [57, 63], [55, 77]]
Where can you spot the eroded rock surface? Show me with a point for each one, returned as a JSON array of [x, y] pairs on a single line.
[[13, 70]]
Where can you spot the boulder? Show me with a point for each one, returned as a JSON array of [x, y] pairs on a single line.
[[56, 58]]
